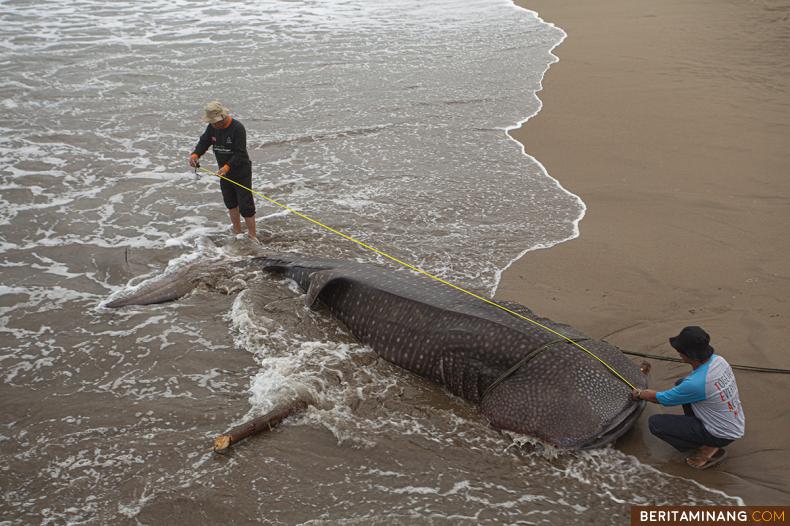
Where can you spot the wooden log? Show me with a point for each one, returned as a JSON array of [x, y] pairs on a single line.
[[257, 425]]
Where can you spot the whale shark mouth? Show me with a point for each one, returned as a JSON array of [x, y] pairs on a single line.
[[616, 427]]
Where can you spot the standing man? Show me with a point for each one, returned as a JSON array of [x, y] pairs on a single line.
[[713, 416], [228, 138]]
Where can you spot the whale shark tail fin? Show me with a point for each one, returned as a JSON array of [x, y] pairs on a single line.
[[181, 276]]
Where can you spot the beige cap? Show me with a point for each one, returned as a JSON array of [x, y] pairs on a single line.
[[214, 112]]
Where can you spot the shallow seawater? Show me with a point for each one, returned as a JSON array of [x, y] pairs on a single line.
[[385, 120]]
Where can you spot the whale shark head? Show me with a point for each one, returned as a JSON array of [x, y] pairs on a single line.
[[567, 398]]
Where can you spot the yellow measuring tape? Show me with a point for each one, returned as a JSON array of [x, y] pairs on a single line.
[[420, 271]]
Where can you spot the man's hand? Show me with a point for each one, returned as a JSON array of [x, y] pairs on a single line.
[[224, 170], [636, 394], [193, 160]]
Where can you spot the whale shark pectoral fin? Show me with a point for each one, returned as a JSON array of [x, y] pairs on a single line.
[[318, 282]]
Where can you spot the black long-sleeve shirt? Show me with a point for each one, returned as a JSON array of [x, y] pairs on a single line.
[[229, 144]]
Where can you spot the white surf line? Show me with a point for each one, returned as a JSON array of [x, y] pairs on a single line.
[[576, 231]]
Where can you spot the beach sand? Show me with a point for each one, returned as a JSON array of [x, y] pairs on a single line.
[[671, 120]]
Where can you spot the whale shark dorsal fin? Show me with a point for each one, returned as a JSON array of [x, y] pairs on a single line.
[[318, 281]]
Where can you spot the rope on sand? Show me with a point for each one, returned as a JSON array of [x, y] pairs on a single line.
[[742, 367]]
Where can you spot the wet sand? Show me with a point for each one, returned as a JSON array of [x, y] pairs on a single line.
[[671, 120]]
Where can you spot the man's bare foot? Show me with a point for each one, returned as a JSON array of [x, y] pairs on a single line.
[[705, 456]]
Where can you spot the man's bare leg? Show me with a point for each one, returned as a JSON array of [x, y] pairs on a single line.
[[250, 221], [235, 219]]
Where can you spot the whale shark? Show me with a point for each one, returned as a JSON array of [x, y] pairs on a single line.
[[525, 378]]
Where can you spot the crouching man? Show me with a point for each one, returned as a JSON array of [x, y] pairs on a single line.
[[713, 416]]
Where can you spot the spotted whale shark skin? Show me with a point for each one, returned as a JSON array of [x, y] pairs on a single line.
[[562, 395]]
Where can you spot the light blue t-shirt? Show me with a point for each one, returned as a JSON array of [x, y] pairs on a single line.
[[713, 394], [690, 390]]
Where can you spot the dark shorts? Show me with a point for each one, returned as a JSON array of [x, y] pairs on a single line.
[[236, 197]]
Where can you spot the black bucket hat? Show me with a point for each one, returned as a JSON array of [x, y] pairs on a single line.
[[693, 342]]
